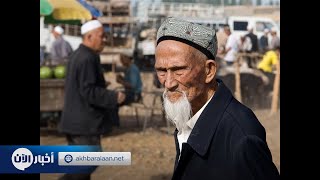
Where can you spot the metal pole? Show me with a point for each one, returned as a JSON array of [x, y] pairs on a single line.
[[222, 4]]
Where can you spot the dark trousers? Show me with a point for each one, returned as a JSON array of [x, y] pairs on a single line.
[[81, 140], [250, 62]]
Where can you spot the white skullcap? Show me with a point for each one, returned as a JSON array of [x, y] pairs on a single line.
[[58, 30], [250, 27], [90, 25], [273, 29]]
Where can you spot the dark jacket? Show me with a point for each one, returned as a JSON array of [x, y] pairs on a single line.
[[254, 42], [86, 100], [263, 44], [227, 143]]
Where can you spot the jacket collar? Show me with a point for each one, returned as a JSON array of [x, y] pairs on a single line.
[[86, 48], [208, 121]]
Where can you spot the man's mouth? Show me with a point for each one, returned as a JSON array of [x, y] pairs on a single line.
[[174, 96]]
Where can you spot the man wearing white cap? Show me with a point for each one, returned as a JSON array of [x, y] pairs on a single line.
[[275, 40], [264, 42], [254, 44], [85, 116], [60, 49]]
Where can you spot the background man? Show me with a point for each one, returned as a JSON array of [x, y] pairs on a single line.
[[85, 115], [60, 49]]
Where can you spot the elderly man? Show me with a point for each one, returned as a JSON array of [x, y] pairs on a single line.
[[216, 136], [275, 40], [87, 101], [60, 49]]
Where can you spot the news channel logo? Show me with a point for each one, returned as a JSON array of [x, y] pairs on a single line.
[[23, 158]]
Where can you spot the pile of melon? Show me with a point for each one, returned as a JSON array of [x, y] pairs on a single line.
[[57, 72]]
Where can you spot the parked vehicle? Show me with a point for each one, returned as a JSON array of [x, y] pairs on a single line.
[[239, 24], [214, 23]]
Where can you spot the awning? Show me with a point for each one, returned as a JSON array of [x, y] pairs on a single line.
[[64, 10], [94, 11], [45, 7]]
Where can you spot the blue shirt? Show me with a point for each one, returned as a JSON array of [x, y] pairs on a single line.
[[132, 76]]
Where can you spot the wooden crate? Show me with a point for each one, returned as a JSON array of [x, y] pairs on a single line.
[[51, 94]]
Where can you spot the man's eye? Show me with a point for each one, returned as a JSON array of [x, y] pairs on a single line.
[[161, 72], [179, 72]]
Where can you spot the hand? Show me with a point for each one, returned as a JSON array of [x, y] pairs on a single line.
[[119, 79], [121, 97]]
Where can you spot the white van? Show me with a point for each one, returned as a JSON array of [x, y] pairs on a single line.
[[214, 23], [238, 24]]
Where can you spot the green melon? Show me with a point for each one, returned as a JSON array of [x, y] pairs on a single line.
[[45, 72], [59, 72]]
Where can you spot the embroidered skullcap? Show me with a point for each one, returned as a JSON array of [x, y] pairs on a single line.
[[90, 25], [200, 37], [58, 30]]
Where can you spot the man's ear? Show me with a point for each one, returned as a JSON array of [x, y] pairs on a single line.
[[89, 36], [211, 69]]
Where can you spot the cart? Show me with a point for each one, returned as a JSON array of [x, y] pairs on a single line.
[[51, 102]]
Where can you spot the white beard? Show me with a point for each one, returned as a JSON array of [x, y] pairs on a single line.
[[178, 112]]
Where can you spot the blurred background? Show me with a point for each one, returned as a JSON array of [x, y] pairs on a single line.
[[131, 27]]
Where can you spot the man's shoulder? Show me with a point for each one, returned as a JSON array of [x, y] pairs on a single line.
[[67, 42], [243, 118], [135, 67], [251, 35], [264, 38], [271, 53], [56, 42], [82, 56]]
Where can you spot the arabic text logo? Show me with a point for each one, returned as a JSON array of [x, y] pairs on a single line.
[[22, 158]]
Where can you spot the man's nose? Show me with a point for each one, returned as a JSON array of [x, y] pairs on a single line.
[[170, 82]]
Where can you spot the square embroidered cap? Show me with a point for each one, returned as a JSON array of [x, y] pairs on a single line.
[[198, 36]]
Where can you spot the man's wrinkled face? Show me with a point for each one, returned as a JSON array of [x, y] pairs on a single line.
[[98, 38], [179, 70]]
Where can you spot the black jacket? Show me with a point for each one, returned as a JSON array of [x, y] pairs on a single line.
[[263, 44], [86, 100], [227, 143], [254, 42]]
